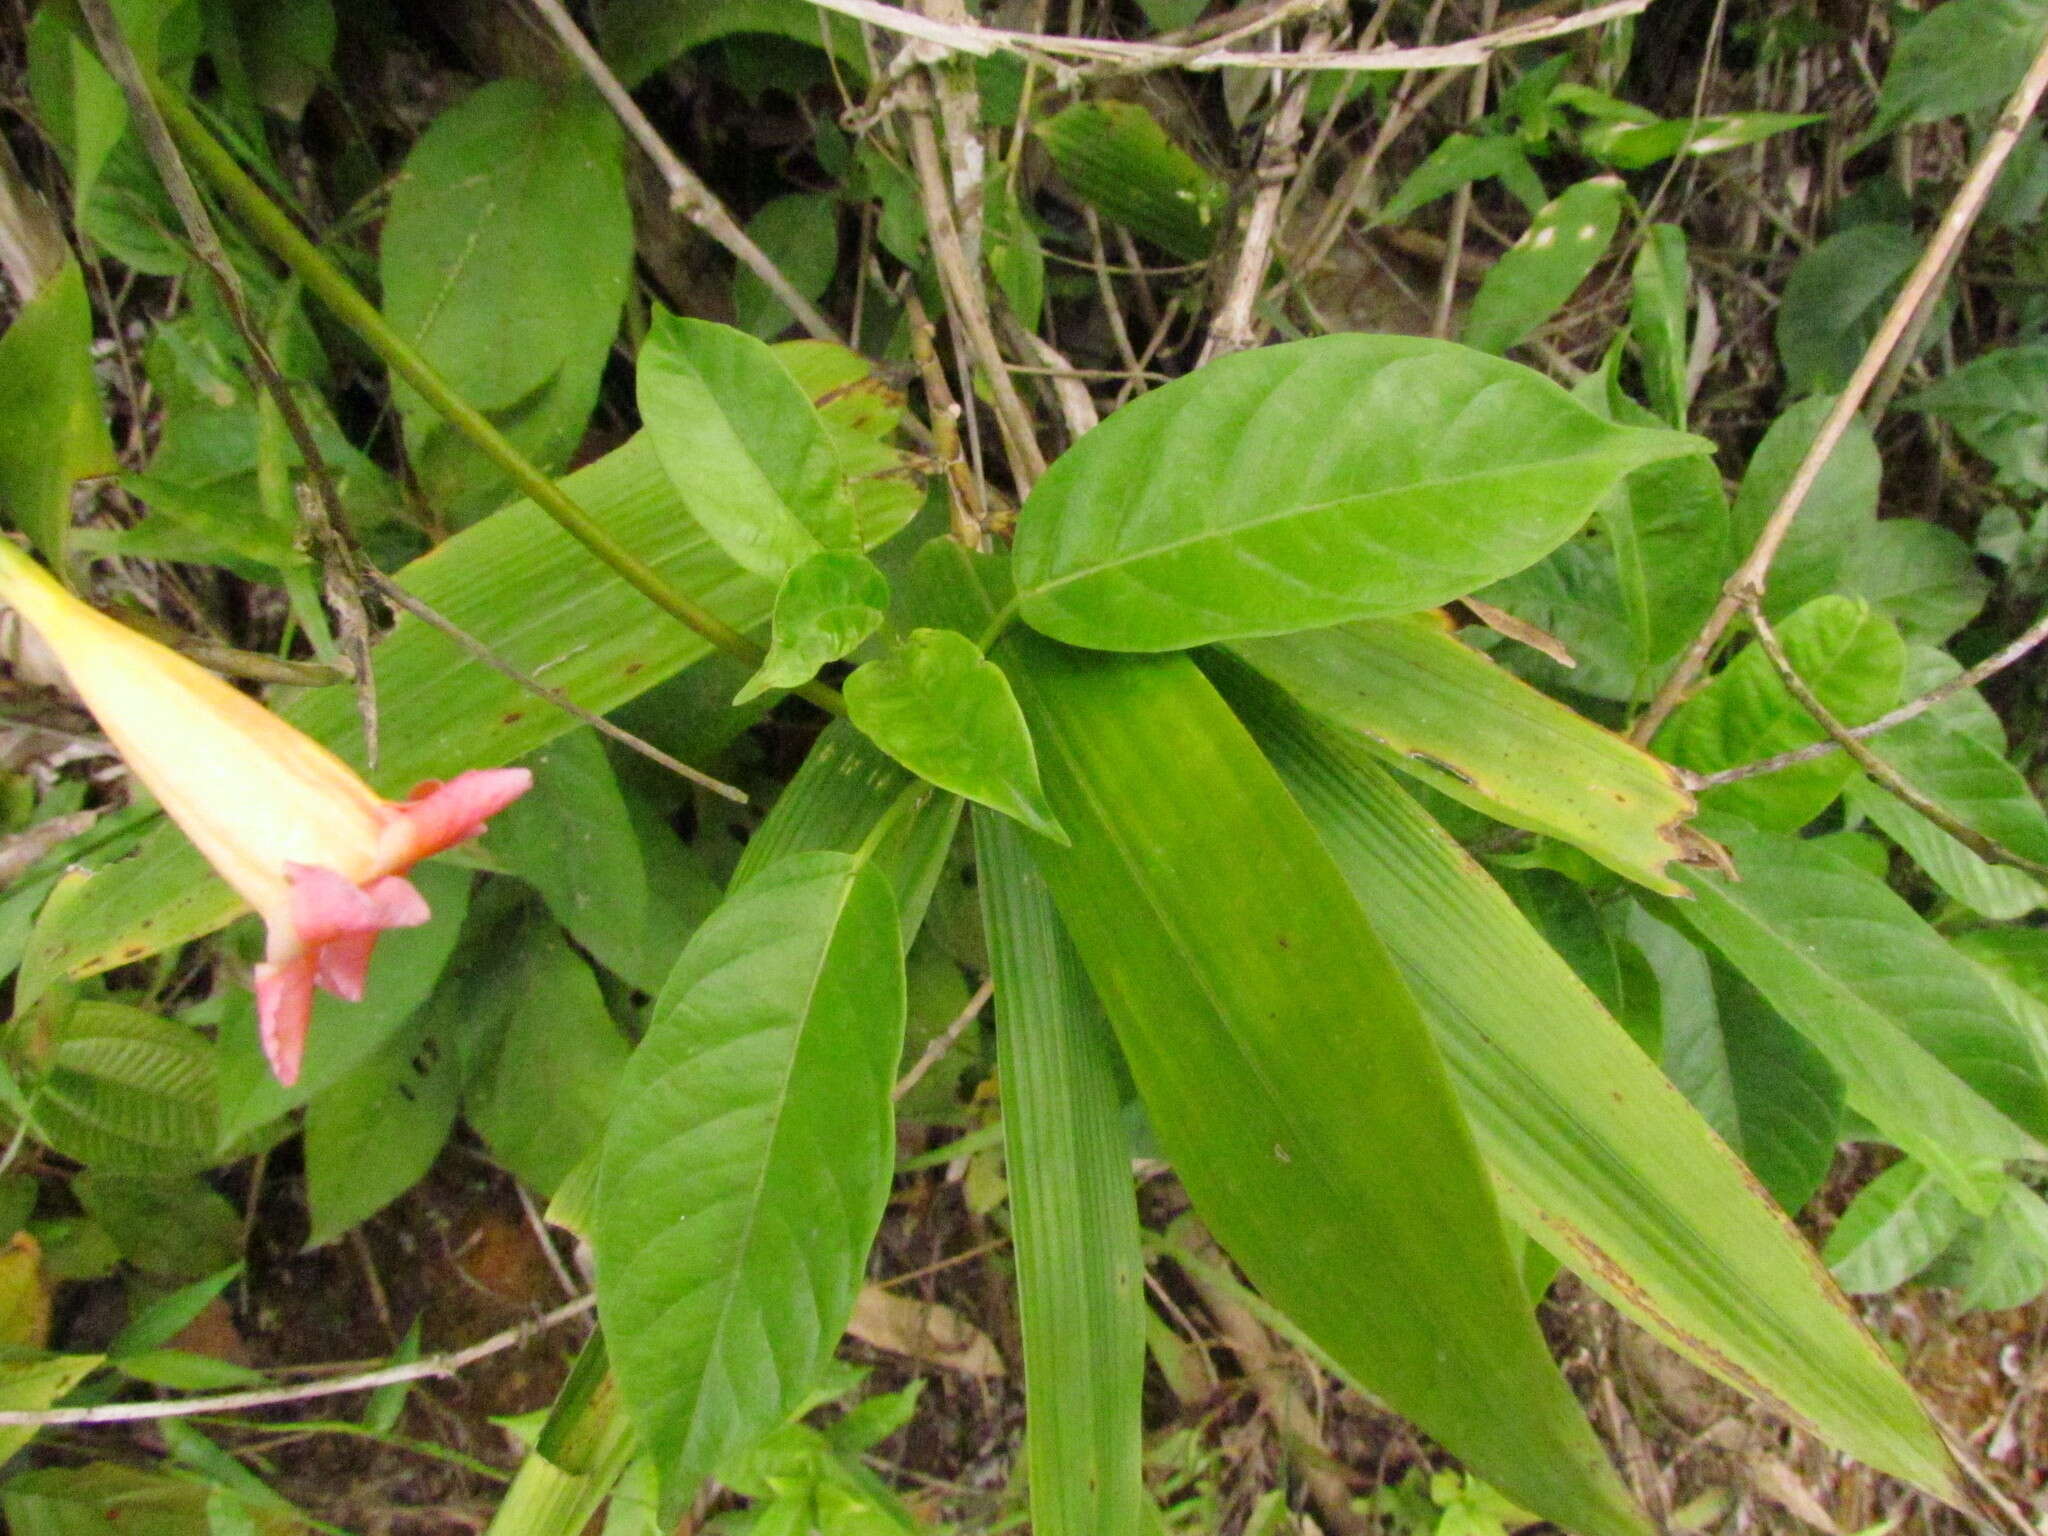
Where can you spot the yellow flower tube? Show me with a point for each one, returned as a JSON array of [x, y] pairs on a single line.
[[318, 853]]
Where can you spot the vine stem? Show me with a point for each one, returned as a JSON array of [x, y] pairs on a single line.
[[1886, 776], [1745, 588], [276, 230]]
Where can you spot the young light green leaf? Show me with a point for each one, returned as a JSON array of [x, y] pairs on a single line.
[[748, 1161], [53, 430], [828, 604], [1632, 146], [945, 712], [1537, 274], [1850, 657], [1896, 1226], [1080, 1275], [505, 258], [2005, 1260], [1598, 1158], [1311, 483], [742, 445], [1285, 1068], [1437, 709], [1930, 1053]]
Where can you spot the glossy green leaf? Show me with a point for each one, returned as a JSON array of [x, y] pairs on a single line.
[[373, 1134], [1771, 1096], [1538, 274], [1080, 1275], [1832, 517], [742, 444], [1850, 657], [1311, 483], [945, 712], [1833, 300], [1960, 57], [1657, 311], [1930, 1054], [747, 1163], [505, 258], [1286, 1070], [828, 604], [1438, 709], [1597, 1156], [1120, 161], [1897, 1225], [53, 430]]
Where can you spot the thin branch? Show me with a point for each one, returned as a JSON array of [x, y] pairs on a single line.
[[944, 1041], [1912, 709], [398, 597], [1883, 773], [1461, 206], [943, 37], [263, 1397], [687, 193], [1747, 584], [340, 562]]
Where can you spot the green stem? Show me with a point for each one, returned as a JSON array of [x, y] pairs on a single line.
[[912, 793], [275, 229], [1004, 617]]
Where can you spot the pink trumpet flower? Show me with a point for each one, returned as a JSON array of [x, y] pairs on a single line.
[[318, 853]]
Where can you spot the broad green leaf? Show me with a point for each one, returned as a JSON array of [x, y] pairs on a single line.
[[571, 837], [541, 1055], [1657, 310], [1592, 938], [1833, 517], [1286, 1070], [945, 712], [120, 1089], [1960, 57], [541, 602], [505, 258], [747, 1163], [1538, 274], [29, 1386], [1771, 1096], [1998, 404], [1920, 575], [1833, 300], [1311, 483], [180, 1228], [1850, 657], [1598, 1157], [1457, 161], [1434, 707], [800, 234], [1120, 161], [1896, 1226], [78, 104], [844, 788], [373, 1134], [1930, 1054], [828, 605], [2005, 1259], [288, 50], [1080, 1275], [640, 36], [742, 444], [53, 430]]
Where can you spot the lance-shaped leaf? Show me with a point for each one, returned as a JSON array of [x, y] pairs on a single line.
[[745, 448], [1080, 1276], [1600, 1158], [1304, 485], [1539, 272], [829, 604], [53, 430], [745, 1169], [1930, 1054], [1436, 708], [945, 712], [1286, 1070]]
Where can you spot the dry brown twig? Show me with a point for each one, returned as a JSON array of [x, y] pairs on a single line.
[[1745, 588], [1883, 773], [687, 193]]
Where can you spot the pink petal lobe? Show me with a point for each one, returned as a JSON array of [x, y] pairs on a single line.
[[344, 965], [284, 1007], [439, 816], [325, 906]]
